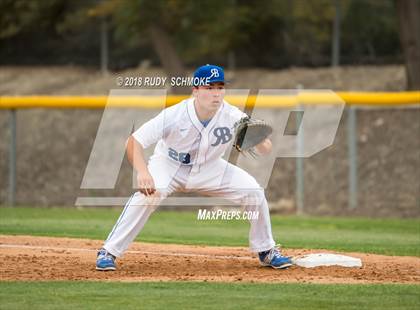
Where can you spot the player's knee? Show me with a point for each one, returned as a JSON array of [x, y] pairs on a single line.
[[152, 201], [254, 197]]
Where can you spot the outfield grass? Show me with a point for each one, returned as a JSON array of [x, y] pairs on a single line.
[[382, 236], [189, 295]]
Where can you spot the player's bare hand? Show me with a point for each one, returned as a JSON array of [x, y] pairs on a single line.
[[264, 147], [145, 183]]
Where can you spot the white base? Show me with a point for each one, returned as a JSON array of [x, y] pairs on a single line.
[[326, 259]]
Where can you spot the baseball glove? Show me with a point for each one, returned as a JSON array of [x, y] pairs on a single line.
[[249, 133]]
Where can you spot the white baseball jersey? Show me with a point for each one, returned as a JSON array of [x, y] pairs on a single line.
[[182, 138], [187, 156]]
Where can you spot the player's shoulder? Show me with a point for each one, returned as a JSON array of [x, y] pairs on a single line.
[[229, 108], [176, 110], [233, 111]]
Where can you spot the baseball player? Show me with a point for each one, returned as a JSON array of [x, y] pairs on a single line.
[[191, 137]]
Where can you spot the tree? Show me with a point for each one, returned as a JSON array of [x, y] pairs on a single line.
[[19, 16], [173, 28], [149, 18], [409, 26]]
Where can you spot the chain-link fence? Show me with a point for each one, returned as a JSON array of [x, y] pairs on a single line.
[[372, 168]]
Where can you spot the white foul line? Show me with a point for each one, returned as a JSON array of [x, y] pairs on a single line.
[[37, 247]]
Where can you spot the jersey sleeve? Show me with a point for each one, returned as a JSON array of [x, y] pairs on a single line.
[[151, 131], [237, 114]]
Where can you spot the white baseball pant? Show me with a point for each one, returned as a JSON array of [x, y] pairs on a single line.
[[217, 179]]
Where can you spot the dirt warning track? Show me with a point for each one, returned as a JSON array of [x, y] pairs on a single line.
[[28, 258]]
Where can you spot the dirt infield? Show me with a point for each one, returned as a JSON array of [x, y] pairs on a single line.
[[28, 258]]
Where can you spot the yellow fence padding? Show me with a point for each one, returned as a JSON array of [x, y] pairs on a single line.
[[265, 101]]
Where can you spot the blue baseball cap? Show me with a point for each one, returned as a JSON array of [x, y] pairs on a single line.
[[207, 74]]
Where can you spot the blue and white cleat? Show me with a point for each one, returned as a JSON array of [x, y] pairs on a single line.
[[273, 258], [105, 260]]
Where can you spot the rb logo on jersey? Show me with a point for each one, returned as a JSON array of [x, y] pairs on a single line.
[[222, 134]]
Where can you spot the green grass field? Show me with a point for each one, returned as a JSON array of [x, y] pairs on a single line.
[[190, 295], [383, 236]]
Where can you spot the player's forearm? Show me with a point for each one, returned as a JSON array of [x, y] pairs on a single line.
[[135, 155], [264, 147]]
